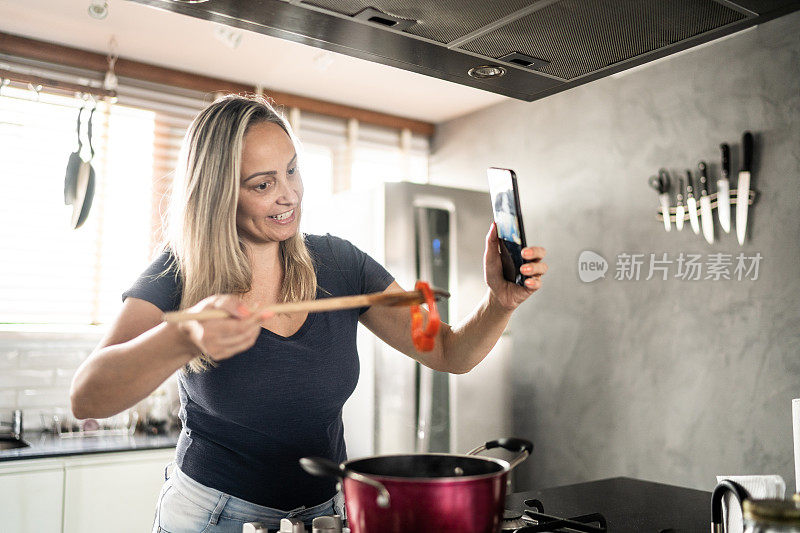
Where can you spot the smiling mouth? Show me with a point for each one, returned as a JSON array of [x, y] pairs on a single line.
[[283, 216]]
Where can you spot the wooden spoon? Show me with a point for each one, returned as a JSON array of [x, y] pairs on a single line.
[[400, 298]]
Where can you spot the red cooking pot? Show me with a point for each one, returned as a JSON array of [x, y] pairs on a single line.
[[425, 492]]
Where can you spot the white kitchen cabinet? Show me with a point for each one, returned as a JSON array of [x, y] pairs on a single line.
[[113, 492], [94, 493], [31, 496]]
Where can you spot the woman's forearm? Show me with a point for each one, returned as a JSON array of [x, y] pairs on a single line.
[[118, 376], [465, 345]]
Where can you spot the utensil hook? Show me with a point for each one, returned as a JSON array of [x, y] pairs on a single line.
[[78, 126], [89, 130]]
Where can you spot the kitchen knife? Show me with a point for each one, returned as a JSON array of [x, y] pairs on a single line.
[[679, 210], [691, 203], [743, 187], [661, 185], [723, 190], [705, 204]]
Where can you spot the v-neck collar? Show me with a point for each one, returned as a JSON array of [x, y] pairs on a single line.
[[297, 334]]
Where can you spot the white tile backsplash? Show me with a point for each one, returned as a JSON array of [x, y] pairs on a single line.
[[63, 377], [26, 378], [42, 398], [36, 368], [9, 359], [69, 358], [8, 401]]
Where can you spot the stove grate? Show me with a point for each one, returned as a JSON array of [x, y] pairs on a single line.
[[588, 523]]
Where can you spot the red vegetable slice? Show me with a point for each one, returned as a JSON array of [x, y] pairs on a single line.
[[423, 337]]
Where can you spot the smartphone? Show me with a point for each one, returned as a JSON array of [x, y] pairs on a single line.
[[508, 218]]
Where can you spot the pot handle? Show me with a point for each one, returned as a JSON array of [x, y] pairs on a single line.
[[512, 444], [319, 466]]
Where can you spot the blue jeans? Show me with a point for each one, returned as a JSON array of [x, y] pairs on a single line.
[[186, 506]]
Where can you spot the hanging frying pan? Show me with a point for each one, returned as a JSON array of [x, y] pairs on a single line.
[[73, 166], [79, 178]]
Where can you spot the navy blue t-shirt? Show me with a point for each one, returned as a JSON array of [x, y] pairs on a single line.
[[247, 421]]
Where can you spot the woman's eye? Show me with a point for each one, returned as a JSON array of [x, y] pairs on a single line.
[[262, 186], [292, 171]]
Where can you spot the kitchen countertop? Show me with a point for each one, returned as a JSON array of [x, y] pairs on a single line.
[[48, 445], [628, 505]]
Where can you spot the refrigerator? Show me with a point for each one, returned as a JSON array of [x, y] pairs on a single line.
[[437, 234]]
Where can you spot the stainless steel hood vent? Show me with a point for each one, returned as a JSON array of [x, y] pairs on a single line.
[[544, 46]]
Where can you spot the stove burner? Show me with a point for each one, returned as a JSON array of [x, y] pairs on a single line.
[[537, 521], [512, 520]]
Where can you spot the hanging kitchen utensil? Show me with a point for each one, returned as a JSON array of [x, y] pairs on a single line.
[[79, 178], [661, 185], [723, 189], [422, 337], [705, 204], [680, 211], [743, 186], [691, 203], [73, 165]]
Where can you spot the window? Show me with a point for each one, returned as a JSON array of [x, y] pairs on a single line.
[[374, 164], [316, 170], [51, 273]]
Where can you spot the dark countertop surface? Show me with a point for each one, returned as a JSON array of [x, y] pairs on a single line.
[[628, 505], [49, 445]]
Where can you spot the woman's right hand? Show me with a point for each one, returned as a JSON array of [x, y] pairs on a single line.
[[222, 338]]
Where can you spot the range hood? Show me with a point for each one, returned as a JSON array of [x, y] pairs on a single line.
[[518, 48]]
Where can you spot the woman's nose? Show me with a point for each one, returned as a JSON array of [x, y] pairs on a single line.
[[287, 193]]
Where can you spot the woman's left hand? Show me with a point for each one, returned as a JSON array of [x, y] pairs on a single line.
[[510, 295]]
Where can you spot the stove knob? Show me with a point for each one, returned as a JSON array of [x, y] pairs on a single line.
[[254, 527], [292, 525], [327, 524]]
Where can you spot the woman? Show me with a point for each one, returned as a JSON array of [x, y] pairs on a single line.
[[258, 392]]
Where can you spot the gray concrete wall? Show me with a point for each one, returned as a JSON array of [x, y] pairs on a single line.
[[674, 381]]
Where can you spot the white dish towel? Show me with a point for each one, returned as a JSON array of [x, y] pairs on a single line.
[[759, 487]]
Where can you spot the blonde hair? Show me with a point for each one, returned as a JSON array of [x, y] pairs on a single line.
[[202, 232]]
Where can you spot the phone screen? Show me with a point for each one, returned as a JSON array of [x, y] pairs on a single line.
[[508, 218]]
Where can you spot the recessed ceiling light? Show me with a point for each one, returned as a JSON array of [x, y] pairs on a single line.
[[486, 71], [230, 36], [322, 60], [98, 9]]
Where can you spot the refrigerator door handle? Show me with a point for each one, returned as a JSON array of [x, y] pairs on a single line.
[[425, 388], [425, 399]]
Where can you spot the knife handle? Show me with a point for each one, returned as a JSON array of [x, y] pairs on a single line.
[[689, 184], [726, 160], [703, 177], [679, 195], [747, 151]]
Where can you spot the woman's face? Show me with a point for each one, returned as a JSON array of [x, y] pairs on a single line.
[[270, 188]]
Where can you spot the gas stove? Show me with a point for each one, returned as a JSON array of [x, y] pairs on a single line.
[[532, 518], [627, 505]]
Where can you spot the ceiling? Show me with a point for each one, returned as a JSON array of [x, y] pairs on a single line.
[[171, 40]]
